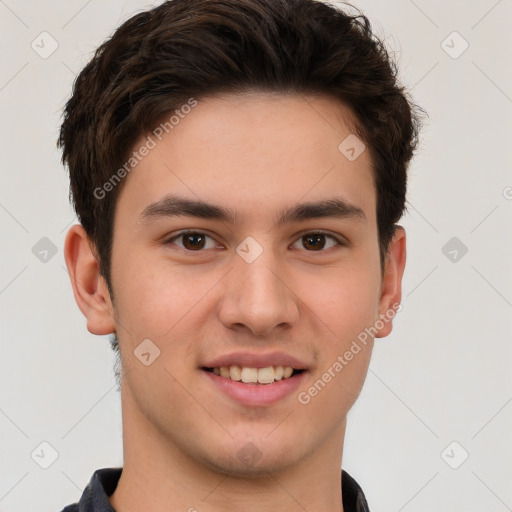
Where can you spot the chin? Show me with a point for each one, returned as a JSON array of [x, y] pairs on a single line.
[[237, 468], [253, 458]]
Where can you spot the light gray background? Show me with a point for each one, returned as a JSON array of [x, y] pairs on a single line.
[[443, 375]]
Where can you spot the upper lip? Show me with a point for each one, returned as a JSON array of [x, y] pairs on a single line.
[[253, 360]]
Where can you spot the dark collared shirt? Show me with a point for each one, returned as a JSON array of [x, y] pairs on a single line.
[[104, 482]]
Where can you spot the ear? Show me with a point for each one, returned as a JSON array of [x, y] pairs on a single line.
[[89, 286], [391, 285]]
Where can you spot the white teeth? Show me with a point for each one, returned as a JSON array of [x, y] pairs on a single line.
[[287, 371], [266, 375], [235, 372], [249, 374], [252, 375]]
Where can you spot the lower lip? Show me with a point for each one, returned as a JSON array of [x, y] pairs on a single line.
[[256, 394]]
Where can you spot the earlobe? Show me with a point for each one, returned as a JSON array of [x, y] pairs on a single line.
[[89, 287], [391, 288]]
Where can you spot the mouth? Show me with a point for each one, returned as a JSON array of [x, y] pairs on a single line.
[[252, 386], [253, 375]]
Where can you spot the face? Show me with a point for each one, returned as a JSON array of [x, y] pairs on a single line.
[[252, 284]]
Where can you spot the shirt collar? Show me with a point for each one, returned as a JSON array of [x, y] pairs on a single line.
[[104, 481]]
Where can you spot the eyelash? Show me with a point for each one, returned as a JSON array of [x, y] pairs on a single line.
[[338, 241]]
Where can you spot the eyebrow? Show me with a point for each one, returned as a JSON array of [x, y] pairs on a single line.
[[176, 206]]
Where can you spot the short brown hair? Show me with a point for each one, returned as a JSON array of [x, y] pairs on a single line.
[[160, 58]]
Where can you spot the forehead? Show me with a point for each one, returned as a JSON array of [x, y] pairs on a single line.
[[253, 153]]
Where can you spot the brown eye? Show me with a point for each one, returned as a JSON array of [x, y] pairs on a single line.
[[317, 241], [193, 241]]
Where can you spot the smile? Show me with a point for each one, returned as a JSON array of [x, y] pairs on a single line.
[[253, 387], [251, 375]]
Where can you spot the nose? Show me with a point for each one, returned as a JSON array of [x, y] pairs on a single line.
[[258, 297]]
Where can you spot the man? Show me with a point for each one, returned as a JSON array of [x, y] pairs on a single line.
[[238, 168]]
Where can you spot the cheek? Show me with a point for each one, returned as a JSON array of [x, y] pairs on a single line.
[[343, 315], [153, 298], [344, 304], [336, 387], [343, 300]]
